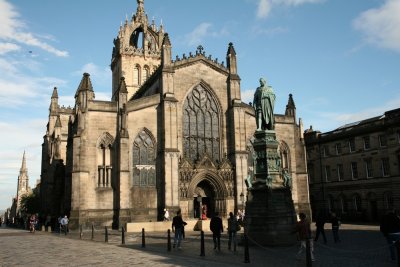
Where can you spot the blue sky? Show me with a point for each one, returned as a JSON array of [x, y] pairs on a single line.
[[339, 58]]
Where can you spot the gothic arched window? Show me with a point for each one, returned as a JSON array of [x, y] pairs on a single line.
[[145, 73], [143, 159], [201, 132], [104, 160], [285, 155], [136, 75]]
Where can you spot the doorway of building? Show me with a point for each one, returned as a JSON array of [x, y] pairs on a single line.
[[203, 201]]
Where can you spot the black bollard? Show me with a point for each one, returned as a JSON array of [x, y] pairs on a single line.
[[397, 244], [80, 231], [92, 231], [143, 239], [123, 236], [246, 249], [308, 253], [169, 240], [202, 252], [105, 234]]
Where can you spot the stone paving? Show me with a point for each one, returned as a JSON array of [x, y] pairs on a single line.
[[359, 246]]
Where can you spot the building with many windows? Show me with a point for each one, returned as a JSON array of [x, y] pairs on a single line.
[[175, 135], [354, 170]]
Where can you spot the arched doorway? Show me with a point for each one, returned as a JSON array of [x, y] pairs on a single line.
[[207, 189], [203, 200]]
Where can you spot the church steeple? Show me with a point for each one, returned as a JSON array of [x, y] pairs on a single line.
[[85, 92], [140, 15], [23, 182], [23, 167], [137, 51], [290, 107]]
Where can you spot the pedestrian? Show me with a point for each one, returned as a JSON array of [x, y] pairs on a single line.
[[32, 223], [64, 224], [59, 224], [216, 228], [320, 224], [177, 227], [335, 227], [166, 215], [303, 228], [233, 227], [390, 227]]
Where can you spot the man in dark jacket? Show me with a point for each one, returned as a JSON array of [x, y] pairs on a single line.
[[320, 223], [390, 227], [216, 228], [177, 228]]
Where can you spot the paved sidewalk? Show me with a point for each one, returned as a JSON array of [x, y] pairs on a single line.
[[360, 246]]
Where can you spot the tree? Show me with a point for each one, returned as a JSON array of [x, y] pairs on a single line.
[[30, 203]]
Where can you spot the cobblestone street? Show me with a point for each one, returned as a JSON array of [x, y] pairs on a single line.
[[360, 246]]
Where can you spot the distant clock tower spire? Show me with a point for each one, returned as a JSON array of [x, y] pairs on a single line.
[[23, 182]]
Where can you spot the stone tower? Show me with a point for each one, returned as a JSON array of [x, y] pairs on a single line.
[[136, 53], [23, 182]]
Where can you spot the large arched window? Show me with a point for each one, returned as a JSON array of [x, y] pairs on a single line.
[[104, 160], [137, 38], [201, 133], [143, 159]]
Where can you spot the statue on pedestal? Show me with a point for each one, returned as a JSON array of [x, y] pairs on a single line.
[[263, 103]]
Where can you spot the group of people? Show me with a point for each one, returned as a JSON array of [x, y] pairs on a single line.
[[216, 227], [303, 228]]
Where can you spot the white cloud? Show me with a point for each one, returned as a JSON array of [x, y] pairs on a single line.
[[13, 29], [381, 26], [97, 73], [328, 121], [197, 35], [269, 31], [203, 30], [8, 47], [264, 7], [296, 2]]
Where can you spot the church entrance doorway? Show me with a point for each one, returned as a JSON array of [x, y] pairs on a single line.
[[203, 202]]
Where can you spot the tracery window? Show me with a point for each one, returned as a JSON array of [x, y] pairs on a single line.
[[143, 159], [104, 160], [201, 133]]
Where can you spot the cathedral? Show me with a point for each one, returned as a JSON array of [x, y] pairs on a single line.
[[175, 134]]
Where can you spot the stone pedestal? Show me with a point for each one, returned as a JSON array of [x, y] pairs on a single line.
[[270, 214], [270, 217]]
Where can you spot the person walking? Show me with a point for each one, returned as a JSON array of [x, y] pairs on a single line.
[[390, 227], [64, 224], [319, 223], [177, 228], [335, 227], [233, 227], [216, 228], [303, 228], [166, 215]]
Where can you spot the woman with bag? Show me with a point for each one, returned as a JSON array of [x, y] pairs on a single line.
[[233, 227]]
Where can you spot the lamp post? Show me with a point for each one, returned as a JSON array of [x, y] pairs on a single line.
[[199, 201], [242, 200]]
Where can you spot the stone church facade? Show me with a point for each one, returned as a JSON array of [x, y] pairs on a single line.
[[175, 135]]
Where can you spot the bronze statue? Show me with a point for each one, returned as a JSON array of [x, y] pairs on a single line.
[[263, 103]]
